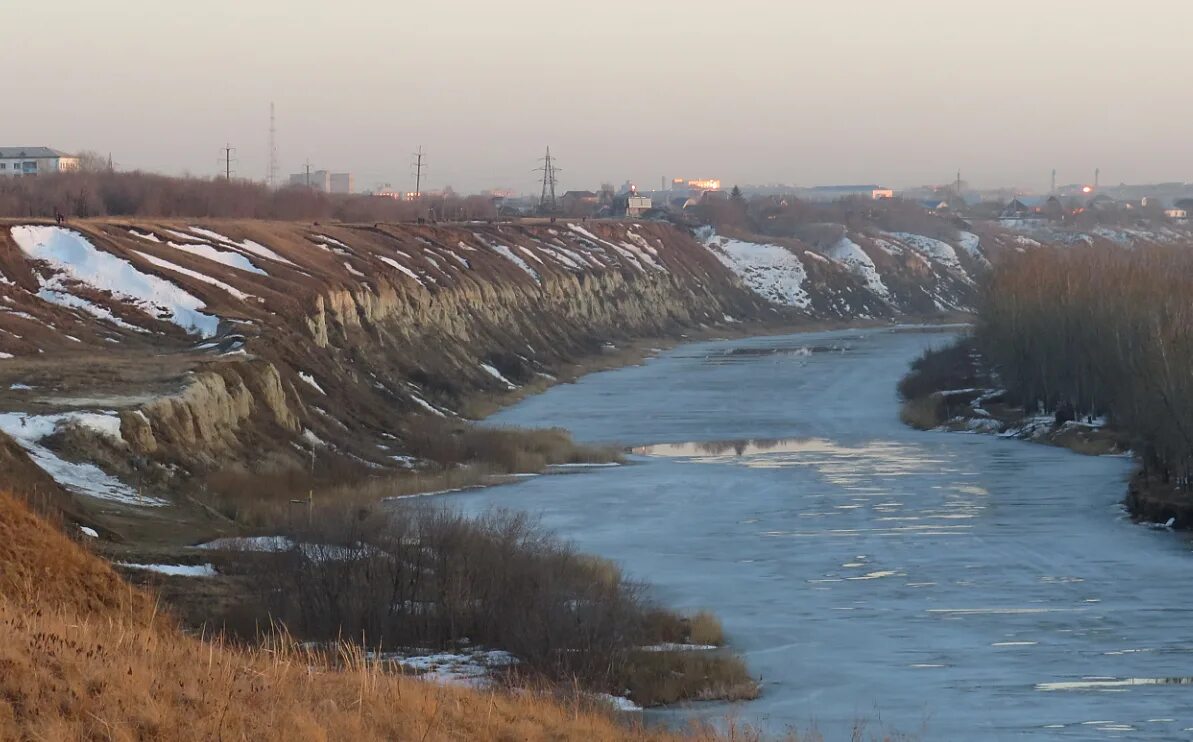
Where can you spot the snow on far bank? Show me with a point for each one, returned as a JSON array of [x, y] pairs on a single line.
[[491, 371], [971, 243], [771, 271], [509, 255], [256, 248], [230, 259], [203, 277], [78, 261], [855, 258], [174, 570], [941, 252], [310, 379], [395, 264], [84, 479]]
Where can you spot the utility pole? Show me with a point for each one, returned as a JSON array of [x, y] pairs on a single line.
[[228, 150], [271, 174], [547, 200], [308, 167], [418, 173]]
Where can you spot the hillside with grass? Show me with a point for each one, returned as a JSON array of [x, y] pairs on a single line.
[[86, 656]]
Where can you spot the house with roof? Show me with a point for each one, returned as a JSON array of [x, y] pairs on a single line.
[[25, 161]]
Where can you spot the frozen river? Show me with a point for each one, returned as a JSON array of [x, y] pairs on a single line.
[[944, 585]]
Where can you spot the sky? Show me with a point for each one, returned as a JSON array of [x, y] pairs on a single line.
[[895, 92]]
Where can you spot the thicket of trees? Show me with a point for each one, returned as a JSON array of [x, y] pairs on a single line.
[[100, 192], [402, 577], [1100, 331]]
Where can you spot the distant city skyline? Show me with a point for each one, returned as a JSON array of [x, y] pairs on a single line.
[[751, 93]]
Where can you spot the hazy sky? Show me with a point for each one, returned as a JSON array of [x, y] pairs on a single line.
[[899, 92]]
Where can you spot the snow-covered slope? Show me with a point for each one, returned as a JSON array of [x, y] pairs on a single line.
[[771, 271], [863, 274], [75, 271]]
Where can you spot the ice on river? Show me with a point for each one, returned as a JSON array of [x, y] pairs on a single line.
[[954, 586]]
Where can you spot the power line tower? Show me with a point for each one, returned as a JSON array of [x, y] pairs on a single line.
[[227, 158], [271, 173], [547, 201], [418, 172]]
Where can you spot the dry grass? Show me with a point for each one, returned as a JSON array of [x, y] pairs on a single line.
[[924, 413], [84, 656], [659, 678], [705, 628]]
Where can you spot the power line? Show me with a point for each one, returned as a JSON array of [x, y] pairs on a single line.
[[549, 171]]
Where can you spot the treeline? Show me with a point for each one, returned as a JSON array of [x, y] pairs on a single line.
[[822, 223], [1100, 331], [95, 193]]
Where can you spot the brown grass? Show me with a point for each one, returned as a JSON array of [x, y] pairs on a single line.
[[705, 628], [84, 656], [924, 413], [659, 678]]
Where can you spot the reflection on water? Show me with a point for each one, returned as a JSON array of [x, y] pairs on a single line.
[[859, 474]]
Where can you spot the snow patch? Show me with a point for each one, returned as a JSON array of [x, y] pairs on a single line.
[[175, 570], [78, 261], [491, 371], [855, 258], [771, 271], [230, 259], [310, 379], [83, 479], [166, 264]]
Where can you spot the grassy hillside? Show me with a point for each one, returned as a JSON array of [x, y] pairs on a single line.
[[86, 656]]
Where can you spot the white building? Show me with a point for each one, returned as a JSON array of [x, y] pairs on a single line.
[[324, 180], [637, 205], [18, 161]]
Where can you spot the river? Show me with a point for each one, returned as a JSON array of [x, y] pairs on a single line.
[[945, 585]]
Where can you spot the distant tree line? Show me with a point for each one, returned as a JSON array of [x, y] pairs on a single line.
[[1100, 331], [788, 216], [98, 191]]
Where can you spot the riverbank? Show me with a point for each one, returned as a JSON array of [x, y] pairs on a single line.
[[953, 389]]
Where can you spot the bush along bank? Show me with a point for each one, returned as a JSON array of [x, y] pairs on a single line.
[[404, 579]]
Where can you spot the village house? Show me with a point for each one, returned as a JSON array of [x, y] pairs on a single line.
[[25, 161]]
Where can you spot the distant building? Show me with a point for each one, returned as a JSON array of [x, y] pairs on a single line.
[[341, 183], [1016, 210], [24, 161], [319, 180], [637, 205], [837, 192]]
